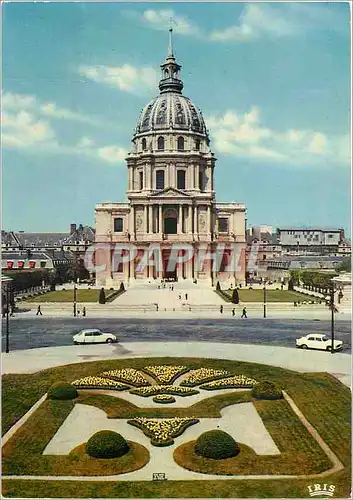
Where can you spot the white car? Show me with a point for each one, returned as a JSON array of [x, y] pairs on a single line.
[[318, 341], [93, 336]]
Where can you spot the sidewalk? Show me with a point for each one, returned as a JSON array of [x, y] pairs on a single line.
[[149, 311], [33, 360]]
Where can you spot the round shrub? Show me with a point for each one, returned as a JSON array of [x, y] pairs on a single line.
[[266, 390], [163, 398], [216, 444], [62, 390], [106, 444]]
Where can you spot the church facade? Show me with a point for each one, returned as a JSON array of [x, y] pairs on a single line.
[[171, 225]]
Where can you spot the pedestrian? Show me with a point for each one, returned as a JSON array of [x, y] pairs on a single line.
[[186, 296], [39, 311], [172, 288], [157, 307], [233, 311], [244, 315], [78, 312], [221, 309], [179, 297], [295, 304], [84, 311]]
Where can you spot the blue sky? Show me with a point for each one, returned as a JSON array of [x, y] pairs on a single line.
[[272, 81]]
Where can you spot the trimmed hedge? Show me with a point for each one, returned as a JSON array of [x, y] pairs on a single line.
[[106, 444], [62, 391], [267, 390], [216, 444], [163, 399]]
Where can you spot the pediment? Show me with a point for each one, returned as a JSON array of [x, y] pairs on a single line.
[[170, 193]]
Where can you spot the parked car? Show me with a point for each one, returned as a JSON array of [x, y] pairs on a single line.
[[94, 336], [318, 341]]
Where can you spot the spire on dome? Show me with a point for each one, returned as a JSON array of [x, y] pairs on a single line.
[[170, 81], [170, 46]]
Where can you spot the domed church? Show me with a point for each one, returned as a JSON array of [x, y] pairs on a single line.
[[171, 197]]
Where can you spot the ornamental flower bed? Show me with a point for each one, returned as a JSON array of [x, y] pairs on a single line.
[[164, 389], [163, 398], [162, 431], [99, 383], [234, 382], [129, 375], [165, 374], [201, 375]]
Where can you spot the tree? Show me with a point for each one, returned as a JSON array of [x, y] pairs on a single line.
[[345, 265], [235, 296], [291, 283], [102, 296]]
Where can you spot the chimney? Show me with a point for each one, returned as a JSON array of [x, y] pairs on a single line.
[[72, 228]]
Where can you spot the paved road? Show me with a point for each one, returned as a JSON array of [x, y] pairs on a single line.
[[27, 333]]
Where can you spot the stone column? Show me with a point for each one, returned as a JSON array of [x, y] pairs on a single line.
[[148, 176], [150, 218], [129, 179], [189, 220], [160, 219], [195, 220], [180, 221], [190, 180], [208, 218], [145, 217], [132, 227], [197, 171], [132, 269]]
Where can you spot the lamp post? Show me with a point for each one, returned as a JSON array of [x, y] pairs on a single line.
[[332, 306], [75, 294], [7, 348], [8, 294], [264, 299]]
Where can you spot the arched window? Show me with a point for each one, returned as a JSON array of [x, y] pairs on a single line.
[[181, 179], [160, 143], [181, 143], [197, 144], [140, 181], [144, 144], [166, 73], [160, 179]]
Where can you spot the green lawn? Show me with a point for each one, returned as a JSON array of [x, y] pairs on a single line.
[[82, 295], [325, 402], [257, 295]]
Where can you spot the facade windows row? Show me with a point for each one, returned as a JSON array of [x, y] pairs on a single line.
[[181, 180], [161, 144]]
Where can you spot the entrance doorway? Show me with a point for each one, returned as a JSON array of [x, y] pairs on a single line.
[[170, 222], [169, 268]]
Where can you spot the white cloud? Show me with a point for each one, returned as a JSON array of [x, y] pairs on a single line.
[[13, 102], [244, 136], [112, 154], [85, 142], [257, 20], [127, 78], [24, 128]]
